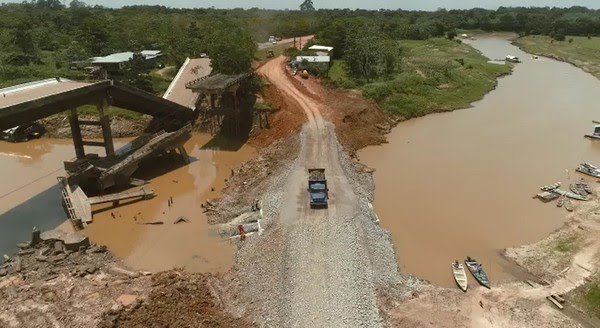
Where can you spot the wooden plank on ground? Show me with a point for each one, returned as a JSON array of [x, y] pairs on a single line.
[[558, 298], [555, 302]]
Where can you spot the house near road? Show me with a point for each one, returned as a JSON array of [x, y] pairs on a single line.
[[319, 62], [321, 50], [116, 62]]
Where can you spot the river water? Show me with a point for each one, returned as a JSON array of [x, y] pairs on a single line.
[[461, 183], [29, 197]]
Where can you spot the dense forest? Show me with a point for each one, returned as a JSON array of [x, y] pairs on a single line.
[[41, 37]]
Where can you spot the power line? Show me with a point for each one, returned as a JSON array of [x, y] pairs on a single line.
[[29, 183]]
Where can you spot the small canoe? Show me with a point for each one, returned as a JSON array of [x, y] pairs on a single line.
[[560, 201], [589, 169], [477, 271], [550, 187], [585, 186], [575, 190], [570, 194], [459, 275], [569, 205]]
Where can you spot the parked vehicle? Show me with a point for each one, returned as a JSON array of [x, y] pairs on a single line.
[[317, 188], [23, 132]]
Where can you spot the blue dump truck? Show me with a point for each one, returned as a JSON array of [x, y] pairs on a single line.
[[317, 188]]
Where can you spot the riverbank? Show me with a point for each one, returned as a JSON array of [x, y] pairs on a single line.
[[436, 75], [582, 52]]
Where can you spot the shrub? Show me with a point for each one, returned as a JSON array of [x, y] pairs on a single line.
[[377, 91], [559, 37]]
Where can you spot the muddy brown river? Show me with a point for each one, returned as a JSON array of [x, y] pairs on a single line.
[[461, 183], [29, 197]]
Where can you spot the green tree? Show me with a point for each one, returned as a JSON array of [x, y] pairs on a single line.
[[307, 5], [369, 54], [230, 47], [451, 34], [136, 73]]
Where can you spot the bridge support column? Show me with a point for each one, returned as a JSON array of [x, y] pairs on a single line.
[[76, 134], [105, 124]]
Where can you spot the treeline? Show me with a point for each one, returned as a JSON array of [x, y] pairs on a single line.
[[48, 34]]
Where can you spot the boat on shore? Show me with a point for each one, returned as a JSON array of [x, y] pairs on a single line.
[[569, 205], [477, 271], [560, 201], [574, 190], [551, 187], [569, 194], [589, 169], [458, 270], [585, 186]]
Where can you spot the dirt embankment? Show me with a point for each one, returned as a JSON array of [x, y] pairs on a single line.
[[359, 122]]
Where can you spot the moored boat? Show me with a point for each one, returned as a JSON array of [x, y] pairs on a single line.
[[569, 194], [569, 205], [589, 169], [550, 187], [585, 186], [575, 190], [477, 271], [560, 201], [460, 276]]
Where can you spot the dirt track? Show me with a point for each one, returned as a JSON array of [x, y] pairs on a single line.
[[330, 275]]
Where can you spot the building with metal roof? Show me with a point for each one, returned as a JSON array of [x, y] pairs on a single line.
[[117, 61], [322, 48]]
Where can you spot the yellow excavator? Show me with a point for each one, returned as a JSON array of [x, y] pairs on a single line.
[[304, 74]]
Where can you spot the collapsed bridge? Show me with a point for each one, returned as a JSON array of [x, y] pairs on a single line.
[[167, 133]]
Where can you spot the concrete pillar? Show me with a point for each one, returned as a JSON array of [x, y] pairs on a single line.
[[76, 134], [106, 131]]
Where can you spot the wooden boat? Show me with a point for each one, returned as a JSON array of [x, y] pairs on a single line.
[[587, 171], [460, 276], [569, 205], [560, 201], [477, 271], [569, 194], [575, 190], [585, 186], [550, 187]]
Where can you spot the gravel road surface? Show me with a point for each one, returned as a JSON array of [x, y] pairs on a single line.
[[323, 265]]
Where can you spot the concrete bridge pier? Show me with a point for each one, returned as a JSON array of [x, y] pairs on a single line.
[[103, 122]]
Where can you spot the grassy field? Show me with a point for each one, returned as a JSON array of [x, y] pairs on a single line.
[[592, 298], [581, 52], [567, 244], [437, 75]]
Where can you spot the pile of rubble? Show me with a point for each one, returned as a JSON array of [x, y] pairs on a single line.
[[177, 299], [49, 254]]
